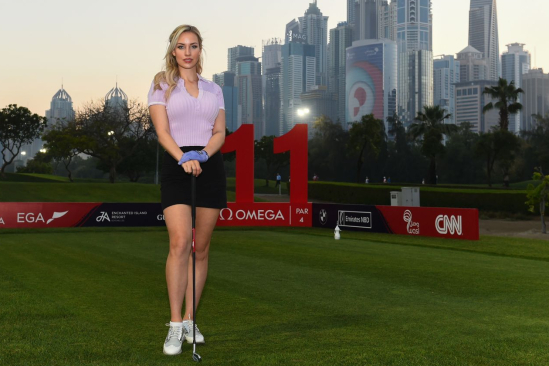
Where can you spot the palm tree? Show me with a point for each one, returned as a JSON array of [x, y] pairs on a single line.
[[506, 95], [431, 128]]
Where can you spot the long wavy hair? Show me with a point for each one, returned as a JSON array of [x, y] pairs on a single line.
[[171, 73]]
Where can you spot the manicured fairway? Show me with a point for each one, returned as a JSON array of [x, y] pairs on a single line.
[[276, 297]]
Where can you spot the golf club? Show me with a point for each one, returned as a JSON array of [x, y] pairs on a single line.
[[196, 356]]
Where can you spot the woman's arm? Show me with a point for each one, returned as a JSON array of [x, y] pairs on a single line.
[[218, 134], [159, 117]]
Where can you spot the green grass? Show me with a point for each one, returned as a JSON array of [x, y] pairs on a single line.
[[259, 186], [276, 297]]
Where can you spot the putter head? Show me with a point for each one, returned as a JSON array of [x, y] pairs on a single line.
[[196, 357]]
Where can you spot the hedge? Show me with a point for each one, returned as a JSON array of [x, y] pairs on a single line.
[[512, 201]]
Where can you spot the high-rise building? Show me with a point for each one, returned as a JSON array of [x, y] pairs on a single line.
[[446, 74], [415, 57], [536, 97], [340, 38], [315, 28], [236, 52], [272, 101], [298, 71], [483, 33], [375, 19], [116, 98], [514, 63], [226, 80], [271, 59], [60, 107], [472, 64], [470, 102], [371, 80], [351, 14], [367, 20], [250, 108]]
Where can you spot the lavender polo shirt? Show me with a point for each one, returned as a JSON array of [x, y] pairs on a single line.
[[191, 119]]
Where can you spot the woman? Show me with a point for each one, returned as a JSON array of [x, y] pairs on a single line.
[[188, 113]]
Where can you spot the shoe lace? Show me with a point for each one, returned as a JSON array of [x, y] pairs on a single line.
[[174, 332]]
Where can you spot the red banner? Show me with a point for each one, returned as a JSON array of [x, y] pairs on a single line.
[[452, 223], [266, 214], [43, 215]]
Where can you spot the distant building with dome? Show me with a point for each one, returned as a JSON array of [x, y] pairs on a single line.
[[116, 98], [60, 107]]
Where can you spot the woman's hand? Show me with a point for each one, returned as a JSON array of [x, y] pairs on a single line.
[[192, 167]]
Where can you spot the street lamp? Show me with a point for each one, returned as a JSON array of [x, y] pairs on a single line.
[[43, 151], [301, 112], [110, 133], [23, 153]]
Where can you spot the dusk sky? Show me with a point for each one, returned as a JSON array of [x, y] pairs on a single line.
[[89, 45]]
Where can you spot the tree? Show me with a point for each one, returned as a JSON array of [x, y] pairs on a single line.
[[459, 163], [499, 145], [366, 136], [40, 164], [18, 126], [506, 96], [142, 161], [112, 133], [539, 140], [431, 128], [328, 150], [263, 149], [62, 144], [539, 196]]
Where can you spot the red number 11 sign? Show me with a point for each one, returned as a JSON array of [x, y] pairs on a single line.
[[244, 212]]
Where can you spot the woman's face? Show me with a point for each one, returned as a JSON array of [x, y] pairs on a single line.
[[187, 51]]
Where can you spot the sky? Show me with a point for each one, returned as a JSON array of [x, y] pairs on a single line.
[[90, 45]]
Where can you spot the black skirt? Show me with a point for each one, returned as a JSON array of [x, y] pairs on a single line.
[[211, 184]]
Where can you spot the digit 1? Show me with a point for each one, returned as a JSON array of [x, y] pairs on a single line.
[[242, 141], [296, 141]]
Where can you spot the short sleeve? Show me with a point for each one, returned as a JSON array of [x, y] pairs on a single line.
[[156, 96], [220, 100]]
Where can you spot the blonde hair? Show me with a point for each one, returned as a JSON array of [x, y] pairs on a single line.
[[171, 73]]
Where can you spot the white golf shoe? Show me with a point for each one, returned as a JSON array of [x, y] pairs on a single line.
[[172, 345], [188, 326]]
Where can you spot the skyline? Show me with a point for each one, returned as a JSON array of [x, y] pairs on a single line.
[[90, 59]]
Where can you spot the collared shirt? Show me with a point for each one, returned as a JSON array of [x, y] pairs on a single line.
[[191, 119]]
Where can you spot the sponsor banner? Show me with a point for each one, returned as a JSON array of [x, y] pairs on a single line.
[[454, 223], [43, 215], [125, 214], [349, 217], [266, 214]]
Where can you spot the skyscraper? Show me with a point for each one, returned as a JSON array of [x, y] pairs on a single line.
[[60, 107], [116, 98], [351, 17], [375, 19], [298, 76], [315, 28], [472, 65], [340, 38], [514, 63], [470, 102], [371, 80], [446, 74], [236, 52], [226, 80], [250, 108], [270, 62], [483, 33], [273, 100], [536, 97], [415, 57]]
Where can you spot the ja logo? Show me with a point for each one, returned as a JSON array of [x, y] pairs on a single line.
[[104, 216]]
